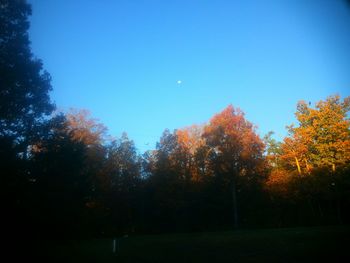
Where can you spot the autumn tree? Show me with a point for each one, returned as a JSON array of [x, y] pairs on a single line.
[[165, 182], [278, 177], [166, 150], [120, 178], [322, 138], [173, 180], [272, 150], [313, 157], [179, 151], [59, 185], [331, 132], [85, 128], [122, 164], [237, 148], [66, 164], [295, 154], [190, 140]]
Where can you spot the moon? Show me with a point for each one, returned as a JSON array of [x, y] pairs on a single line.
[[179, 81]]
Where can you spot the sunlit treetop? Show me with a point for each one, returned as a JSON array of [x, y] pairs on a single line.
[[322, 137]]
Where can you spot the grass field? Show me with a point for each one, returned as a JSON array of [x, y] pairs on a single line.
[[315, 244]]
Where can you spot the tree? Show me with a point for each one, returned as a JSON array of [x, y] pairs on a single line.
[[313, 158], [273, 150], [84, 128], [295, 153], [24, 106], [121, 180], [237, 148], [322, 138], [24, 84], [331, 132], [190, 140], [59, 185]]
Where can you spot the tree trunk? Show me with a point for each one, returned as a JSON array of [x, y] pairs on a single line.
[[311, 207], [234, 204], [307, 166], [298, 165], [320, 208], [340, 221]]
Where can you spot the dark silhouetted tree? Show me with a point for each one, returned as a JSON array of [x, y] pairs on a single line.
[[237, 149], [24, 106], [24, 84], [121, 184], [59, 182]]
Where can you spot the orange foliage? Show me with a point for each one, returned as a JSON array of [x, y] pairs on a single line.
[[278, 181], [85, 129], [322, 138], [235, 140], [189, 140]]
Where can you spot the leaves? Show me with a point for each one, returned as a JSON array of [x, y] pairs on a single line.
[[85, 129], [233, 140], [24, 84], [322, 138]]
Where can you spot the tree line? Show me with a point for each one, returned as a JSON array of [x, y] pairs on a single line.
[[63, 175]]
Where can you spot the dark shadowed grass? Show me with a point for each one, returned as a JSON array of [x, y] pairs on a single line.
[[316, 244]]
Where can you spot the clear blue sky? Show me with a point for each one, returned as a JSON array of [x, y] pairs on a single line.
[[122, 59]]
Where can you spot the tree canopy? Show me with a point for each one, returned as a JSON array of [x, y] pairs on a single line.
[[64, 174], [24, 84]]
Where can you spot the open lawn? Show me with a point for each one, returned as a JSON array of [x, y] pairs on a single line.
[[314, 244]]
